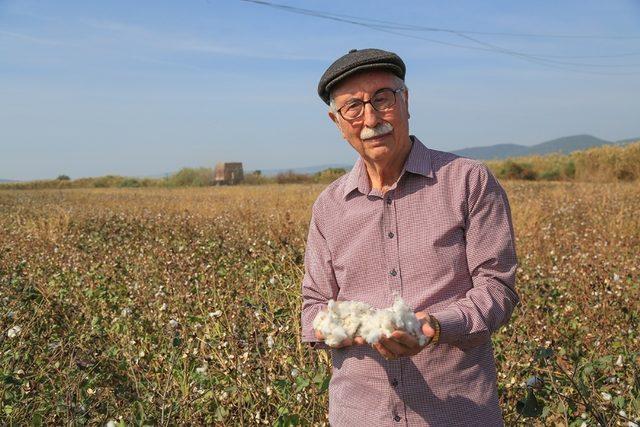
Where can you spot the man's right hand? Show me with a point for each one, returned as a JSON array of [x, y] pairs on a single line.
[[345, 343]]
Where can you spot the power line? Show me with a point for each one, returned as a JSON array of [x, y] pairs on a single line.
[[395, 28], [398, 26]]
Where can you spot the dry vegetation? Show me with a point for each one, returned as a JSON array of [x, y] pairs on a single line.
[[181, 306], [608, 163], [185, 177]]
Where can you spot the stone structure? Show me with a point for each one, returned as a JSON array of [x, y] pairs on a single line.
[[228, 173]]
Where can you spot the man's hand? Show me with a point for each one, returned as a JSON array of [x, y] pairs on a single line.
[[345, 343], [401, 343]]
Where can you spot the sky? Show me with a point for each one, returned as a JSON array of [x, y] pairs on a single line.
[[144, 88]]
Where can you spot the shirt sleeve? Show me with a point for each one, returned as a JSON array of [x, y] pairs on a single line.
[[491, 258], [319, 284]]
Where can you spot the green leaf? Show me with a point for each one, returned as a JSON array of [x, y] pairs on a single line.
[[324, 385], [544, 353], [619, 402], [140, 417], [281, 385], [529, 407], [545, 412], [8, 379], [221, 413], [36, 421], [282, 410], [302, 383]]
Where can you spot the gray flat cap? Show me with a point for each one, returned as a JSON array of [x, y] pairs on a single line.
[[356, 61]]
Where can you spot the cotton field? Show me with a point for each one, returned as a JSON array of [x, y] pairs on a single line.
[[181, 307]]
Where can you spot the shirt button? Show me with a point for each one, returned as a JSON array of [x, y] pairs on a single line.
[[393, 272], [397, 418], [391, 235], [389, 200], [394, 382]]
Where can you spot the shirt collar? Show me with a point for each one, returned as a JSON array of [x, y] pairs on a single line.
[[418, 162], [357, 179]]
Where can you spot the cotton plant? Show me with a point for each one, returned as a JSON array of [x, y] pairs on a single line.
[[348, 319]]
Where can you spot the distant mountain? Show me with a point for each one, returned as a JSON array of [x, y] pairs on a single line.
[[567, 144], [8, 180], [493, 151], [563, 145]]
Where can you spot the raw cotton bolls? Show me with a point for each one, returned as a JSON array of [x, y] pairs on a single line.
[[14, 331], [406, 320], [348, 319], [384, 322], [378, 324], [341, 320]]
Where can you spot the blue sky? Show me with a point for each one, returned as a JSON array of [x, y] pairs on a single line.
[[90, 88]]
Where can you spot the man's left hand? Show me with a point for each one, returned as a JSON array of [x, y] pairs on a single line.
[[401, 343], [398, 344]]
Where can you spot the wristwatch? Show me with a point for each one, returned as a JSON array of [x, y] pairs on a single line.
[[433, 322]]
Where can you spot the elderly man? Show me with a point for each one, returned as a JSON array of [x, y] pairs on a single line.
[[429, 226]]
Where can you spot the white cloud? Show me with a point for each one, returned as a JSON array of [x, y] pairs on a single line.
[[31, 39], [188, 43]]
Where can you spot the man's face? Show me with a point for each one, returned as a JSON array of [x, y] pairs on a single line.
[[363, 86]]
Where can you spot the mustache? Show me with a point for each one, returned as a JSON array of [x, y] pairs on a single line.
[[381, 129]]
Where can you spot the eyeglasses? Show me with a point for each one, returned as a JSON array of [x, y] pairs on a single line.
[[382, 100]]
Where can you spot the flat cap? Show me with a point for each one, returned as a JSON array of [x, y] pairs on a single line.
[[356, 61]]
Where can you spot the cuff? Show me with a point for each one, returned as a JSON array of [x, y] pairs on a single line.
[[452, 325]]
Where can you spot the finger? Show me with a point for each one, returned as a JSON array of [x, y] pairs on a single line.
[[421, 315], [319, 335], [425, 325], [358, 341], [405, 339], [344, 343], [394, 347], [383, 351]]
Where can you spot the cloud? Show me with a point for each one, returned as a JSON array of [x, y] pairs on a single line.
[[31, 39], [186, 43]]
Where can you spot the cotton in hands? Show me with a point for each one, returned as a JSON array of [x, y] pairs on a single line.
[[348, 319]]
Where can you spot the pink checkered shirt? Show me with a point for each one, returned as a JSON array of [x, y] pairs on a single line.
[[442, 238]]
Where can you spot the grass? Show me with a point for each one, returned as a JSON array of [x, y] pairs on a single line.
[[181, 306]]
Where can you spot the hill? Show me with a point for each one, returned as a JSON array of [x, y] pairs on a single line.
[[564, 145], [606, 163], [498, 151]]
